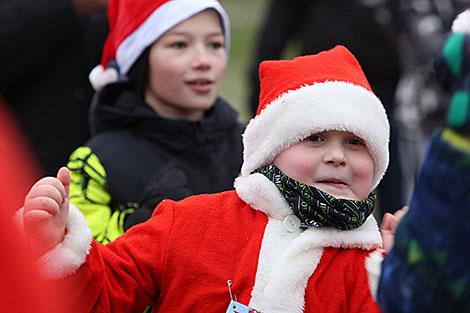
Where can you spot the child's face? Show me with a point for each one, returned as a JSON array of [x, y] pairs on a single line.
[[335, 162], [186, 66]]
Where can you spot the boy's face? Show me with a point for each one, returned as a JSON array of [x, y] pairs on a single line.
[[335, 162], [186, 66]]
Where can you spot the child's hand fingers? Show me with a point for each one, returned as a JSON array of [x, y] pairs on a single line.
[[389, 225], [390, 222], [63, 175], [46, 210], [52, 192], [55, 188], [50, 182], [387, 230], [43, 203], [42, 230], [36, 216], [396, 218], [400, 213], [387, 222]]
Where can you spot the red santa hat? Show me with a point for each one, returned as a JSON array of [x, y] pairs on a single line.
[[136, 25], [309, 94]]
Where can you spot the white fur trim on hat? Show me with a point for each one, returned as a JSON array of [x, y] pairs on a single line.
[[160, 21], [332, 105]]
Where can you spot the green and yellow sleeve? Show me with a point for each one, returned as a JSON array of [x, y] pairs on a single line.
[[456, 140], [88, 191]]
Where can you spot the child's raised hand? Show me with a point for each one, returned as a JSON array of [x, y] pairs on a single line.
[[46, 209], [389, 225]]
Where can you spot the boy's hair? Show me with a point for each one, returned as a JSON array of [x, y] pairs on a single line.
[[139, 72], [136, 25], [310, 94]]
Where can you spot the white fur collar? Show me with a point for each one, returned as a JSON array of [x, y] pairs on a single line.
[[287, 260], [262, 195]]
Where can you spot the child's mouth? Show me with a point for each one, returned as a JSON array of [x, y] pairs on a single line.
[[200, 85], [334, 183]]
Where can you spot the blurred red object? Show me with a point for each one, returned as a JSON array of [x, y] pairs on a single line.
[[21, 289]]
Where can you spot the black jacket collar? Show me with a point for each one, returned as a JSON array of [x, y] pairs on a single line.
[[118, 106]]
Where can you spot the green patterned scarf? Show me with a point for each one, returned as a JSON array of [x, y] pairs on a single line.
[[317, 208]]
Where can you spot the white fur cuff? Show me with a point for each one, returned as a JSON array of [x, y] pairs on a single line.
[[71, 253]]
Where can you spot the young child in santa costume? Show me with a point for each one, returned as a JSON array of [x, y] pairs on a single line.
[[296, 235], [159, 128]]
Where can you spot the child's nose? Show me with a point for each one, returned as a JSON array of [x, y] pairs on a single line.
[[334, 154], [201, 58]]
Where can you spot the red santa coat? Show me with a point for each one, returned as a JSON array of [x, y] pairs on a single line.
[[182, 258]]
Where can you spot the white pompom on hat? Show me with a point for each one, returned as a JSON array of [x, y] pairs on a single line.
[[135, 25], [310, 94]]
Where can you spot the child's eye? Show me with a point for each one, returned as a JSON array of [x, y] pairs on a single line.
[[315, 138], [179, 45], [355, 141], [216, 45]]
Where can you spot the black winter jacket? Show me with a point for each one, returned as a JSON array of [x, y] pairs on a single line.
[[143, 158]]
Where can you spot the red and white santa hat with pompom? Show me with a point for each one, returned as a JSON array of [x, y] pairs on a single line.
[[136, 25], [310, 94]]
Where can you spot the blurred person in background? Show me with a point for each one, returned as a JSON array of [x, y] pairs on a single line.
[[427, 268], [48, 49], [420, 27], [160, 130]]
